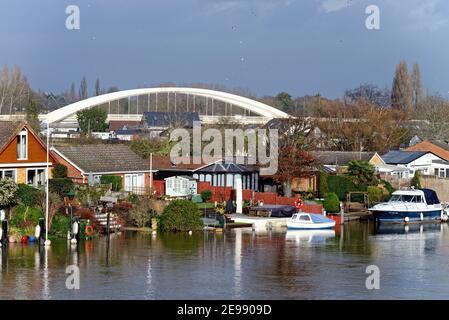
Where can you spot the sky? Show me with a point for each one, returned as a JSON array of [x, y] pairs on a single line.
[[265, 46]]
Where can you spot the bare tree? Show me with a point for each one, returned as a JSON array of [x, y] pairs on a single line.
[[97, 87], [402, 91], [14, 90]]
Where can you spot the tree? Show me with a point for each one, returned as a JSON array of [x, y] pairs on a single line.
[[402, 91], [92, 120], [432, 110], [368, 93], [83, 94], [8, 192], [72, 94], [32, 116], [416, 182], [144, 147], [284, 101], [206, 195], [97, 87], [14, 90], [59, 171], [417, 85], [331, 203], [296, 139], [140, 213], [54, 204], [361, 172]]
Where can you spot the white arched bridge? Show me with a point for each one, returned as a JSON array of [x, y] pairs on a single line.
[[212, 106]]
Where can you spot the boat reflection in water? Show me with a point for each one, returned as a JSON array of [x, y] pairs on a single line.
[[309, 236], [408, 228]]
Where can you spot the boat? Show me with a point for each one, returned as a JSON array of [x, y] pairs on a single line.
[[409, 205], [304, 221]]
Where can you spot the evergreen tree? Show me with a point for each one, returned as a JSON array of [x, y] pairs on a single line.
[[417, 85], [83, 89], [97, 87]]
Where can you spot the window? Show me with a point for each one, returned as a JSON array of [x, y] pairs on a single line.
[[36, 177], [184, 184], [8, 174], [304, 218], [22, 145]]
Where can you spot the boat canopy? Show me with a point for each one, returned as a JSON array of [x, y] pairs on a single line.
[[318, 218], [431, 196]]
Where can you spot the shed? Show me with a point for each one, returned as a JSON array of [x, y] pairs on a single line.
[[180, 186]]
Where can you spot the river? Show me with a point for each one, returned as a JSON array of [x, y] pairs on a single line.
[[413, 263]]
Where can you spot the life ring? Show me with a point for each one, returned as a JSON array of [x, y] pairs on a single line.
[[299, 203], [89, 230]]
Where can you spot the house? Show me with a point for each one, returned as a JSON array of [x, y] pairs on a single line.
[[335, 161], [180, 186], [87, 163], [23, 155], [427, 163], [166, 168], [439, 148]]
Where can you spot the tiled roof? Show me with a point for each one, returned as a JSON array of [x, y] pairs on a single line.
[[8, 129], [439, 148], [402, 157], [341, 158], [222, 167], [165, 163], [101, 158]]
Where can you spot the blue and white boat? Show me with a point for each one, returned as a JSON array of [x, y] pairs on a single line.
[[411, 205], [309, 221]]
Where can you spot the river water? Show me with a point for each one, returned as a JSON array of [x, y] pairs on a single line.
[[413, 263]]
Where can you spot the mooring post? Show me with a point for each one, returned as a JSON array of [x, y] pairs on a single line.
[[4, 232], [342, 213], [42, 233], [108, 218]]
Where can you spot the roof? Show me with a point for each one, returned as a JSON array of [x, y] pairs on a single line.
[[223, 167], [165, 163], [182, 177], [166, 119], [439, 148], [341, 158], [402, 157], [8, 129], [103, 158], [123, 125]]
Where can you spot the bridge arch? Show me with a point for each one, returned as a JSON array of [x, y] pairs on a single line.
[[252, 106]]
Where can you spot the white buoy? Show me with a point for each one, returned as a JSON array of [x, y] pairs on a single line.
[[73, 241], [37, 231], [47, 243], [444, 218], [190, 232], [406, 219], [75, 228], [421, 216]]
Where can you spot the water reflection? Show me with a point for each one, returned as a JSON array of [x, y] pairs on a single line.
[[310, 236], [237, 264]]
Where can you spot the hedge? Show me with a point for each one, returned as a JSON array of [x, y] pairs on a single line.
[[323, 184], [180, 215], [341, 185]]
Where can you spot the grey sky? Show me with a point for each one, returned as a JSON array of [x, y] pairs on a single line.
[[267, 46]]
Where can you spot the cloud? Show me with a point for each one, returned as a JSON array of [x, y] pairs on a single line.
[[334, 5]]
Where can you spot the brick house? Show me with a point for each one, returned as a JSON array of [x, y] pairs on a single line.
[[87, 163], [23, 155]]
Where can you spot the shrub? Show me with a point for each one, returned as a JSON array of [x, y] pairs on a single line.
[[361, 172], [415, 182], [180, 215], [375, 194], [28, 195], [323, 184], [60, 225], [59, 171], [24, 216], [114, 181], [206, 195], [61, 186], [8, 192], [140, 213], [331, 203]]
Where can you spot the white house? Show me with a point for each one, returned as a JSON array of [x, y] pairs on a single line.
[[180, 186], [425, 162]]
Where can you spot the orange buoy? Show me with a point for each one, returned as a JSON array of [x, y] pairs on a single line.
[[299, 203], [89, 230]]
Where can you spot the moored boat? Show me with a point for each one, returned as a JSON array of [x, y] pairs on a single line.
[[410, 205], [305, 221]]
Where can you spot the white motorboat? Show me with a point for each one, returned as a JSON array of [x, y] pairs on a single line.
[[304, 220]]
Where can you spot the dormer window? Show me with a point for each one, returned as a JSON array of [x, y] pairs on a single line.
[[22, 145]]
